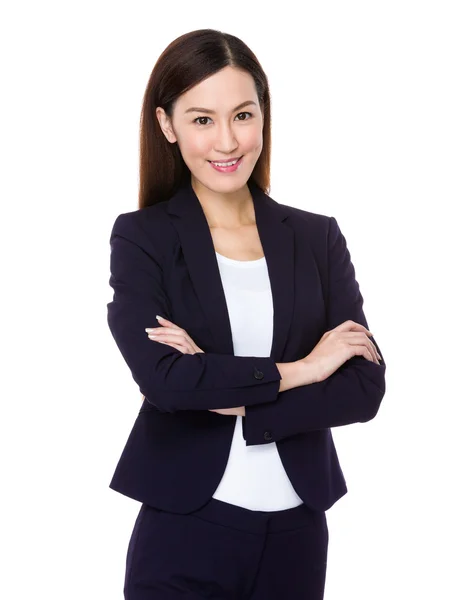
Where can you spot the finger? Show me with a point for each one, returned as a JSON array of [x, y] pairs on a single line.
[[163, 321], [358, 327], [374, 350], [370, 344], [183, 345], [358, 338], [183, 339], [354, 336], [370, 356], [174, 336], [364, 351], [352, 326], [163, 330], [160, 332]]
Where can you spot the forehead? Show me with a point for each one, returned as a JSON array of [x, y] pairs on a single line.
[[221, 91]]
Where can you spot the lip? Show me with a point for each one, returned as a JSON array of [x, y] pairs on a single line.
[[227, 159], [231, 169]]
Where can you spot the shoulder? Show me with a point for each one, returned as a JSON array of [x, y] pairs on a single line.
[[149, 216], [310, 218], [316, 225], [320, 231], [148, 227]]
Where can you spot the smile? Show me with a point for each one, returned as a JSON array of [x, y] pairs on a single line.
[[227, 167]]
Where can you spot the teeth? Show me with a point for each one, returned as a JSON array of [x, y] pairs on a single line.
[[228, 164]]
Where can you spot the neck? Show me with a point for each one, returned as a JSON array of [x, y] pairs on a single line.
[[226, 210]]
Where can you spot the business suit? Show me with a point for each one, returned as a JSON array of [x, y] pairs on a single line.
[[163, 263]]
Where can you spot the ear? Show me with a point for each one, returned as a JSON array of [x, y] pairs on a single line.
[[165, 124]]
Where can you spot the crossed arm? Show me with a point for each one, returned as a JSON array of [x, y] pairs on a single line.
[[175, 380], [293, 373]]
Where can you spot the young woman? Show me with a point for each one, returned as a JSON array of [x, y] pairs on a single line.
[[241, 321]]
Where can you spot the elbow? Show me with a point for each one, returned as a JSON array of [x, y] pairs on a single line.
[[166, 390], [370, 413], [151, 396], [374, 388], [158, 396], [372, 406]]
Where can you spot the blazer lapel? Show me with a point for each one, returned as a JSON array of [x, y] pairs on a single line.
[[277, 240]]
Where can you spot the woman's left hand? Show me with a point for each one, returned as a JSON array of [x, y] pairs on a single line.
[[238, 410], [178, 338], [172, 335]]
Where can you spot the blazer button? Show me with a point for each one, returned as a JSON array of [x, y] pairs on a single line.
[[257, 374], [267, 435]]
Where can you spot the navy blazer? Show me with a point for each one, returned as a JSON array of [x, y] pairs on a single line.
[[163, 263]]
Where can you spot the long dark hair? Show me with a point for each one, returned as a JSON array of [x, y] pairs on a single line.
[[185, 62]]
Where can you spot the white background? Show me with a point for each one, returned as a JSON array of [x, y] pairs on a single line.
[[367, 120]]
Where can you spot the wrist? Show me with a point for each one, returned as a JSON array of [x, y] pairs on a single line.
[[294, 374], [309, 370]]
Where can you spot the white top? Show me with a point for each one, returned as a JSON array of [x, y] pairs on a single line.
[[254, 477]]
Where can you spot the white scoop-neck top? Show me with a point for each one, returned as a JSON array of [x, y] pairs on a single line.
[[254, 477]]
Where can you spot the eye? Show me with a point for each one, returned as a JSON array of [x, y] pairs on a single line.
[[241, 113], [244, 113], [196, 120]]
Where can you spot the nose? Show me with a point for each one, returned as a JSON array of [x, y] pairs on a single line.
[[225, 141]]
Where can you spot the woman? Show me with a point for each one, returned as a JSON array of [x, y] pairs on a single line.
[[260, 345]]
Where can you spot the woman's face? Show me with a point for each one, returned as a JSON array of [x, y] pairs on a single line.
[[211, 123]]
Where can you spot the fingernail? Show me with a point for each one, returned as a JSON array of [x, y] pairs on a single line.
[[158, 317], [149, 329]]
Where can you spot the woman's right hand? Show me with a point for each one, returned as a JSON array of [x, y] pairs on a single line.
[[337, 346]]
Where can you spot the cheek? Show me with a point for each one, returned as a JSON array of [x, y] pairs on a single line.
[[252, 140], [194, 146]]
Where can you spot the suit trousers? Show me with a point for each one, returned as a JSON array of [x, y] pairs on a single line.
[[226, 552]]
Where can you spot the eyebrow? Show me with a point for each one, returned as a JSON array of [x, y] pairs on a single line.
[[212, 112]]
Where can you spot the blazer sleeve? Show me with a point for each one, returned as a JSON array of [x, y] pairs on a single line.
[[352, 393], [168, 378]]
